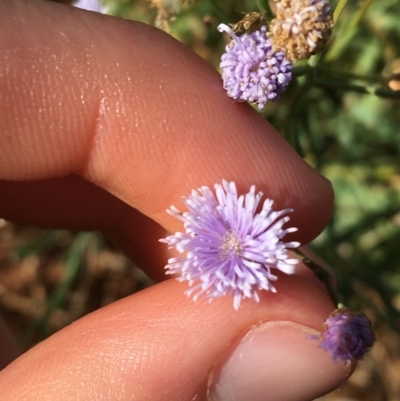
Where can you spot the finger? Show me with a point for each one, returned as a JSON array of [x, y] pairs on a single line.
[[158, 345], [133, 111], [75, 204]]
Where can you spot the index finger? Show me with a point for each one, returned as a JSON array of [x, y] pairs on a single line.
[[135, 112]]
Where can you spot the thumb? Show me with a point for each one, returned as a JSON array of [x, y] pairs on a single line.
[[158, 345]]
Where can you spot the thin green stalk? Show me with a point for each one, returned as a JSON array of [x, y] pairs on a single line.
[[313, 60], [370, 90], [359, 15], [344, 37], [348, 75], [295, 100], [342, 84], [300, 71], [321, 274], [73, 263], [338, 10]]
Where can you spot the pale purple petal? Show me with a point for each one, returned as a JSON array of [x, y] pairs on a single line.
[[89, 5], [230, 249]]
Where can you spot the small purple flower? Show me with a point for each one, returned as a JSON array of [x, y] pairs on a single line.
[[89, 5], [347, 335], [251, 70], [230, 249]]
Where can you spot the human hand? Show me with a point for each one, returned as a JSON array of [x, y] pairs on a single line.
[[104, 124]]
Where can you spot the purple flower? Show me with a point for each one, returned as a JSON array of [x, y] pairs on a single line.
[[347, 335], [251, 70], [230, 249], [89, 5]]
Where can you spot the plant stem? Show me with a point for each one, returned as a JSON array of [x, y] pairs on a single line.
[[321, 274], [300, 70], [359, 15], [338, 10], [379, 91], [371, 90], [346, 33]]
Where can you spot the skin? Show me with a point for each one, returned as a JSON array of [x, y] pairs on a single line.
[[104, 124]]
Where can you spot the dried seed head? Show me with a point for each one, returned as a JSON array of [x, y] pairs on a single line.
[[301, 27]]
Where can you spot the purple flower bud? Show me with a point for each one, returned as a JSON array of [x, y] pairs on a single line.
[[251, 70], [230, 249], [347, 335]]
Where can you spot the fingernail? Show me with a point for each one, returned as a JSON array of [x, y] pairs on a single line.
[[275, 361]]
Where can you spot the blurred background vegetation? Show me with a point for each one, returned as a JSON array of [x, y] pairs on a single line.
[[341, 113]]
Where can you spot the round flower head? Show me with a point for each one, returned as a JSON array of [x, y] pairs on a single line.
[[251, 70], [301, 27], [230, 249], [347, 335]]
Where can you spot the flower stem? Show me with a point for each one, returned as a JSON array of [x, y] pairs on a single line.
[[371, 90], [347, 31], [338, 81], [359, 15], [321, 274], [338, 10], [300, 70]]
